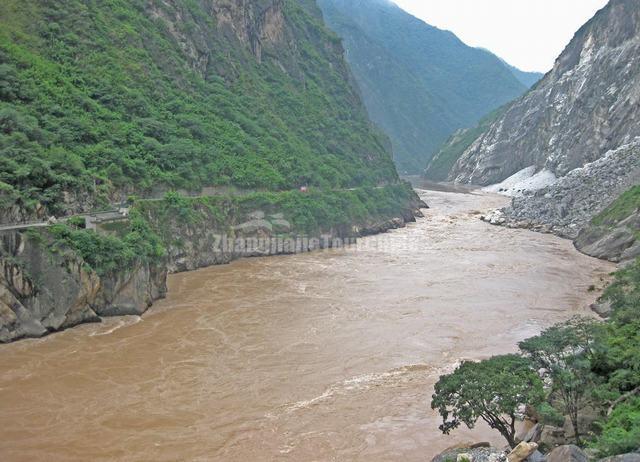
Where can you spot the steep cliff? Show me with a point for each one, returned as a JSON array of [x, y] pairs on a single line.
[[570, 147], [43, 290], [419, 83], [99, 100], [586, 106], [102, 102]]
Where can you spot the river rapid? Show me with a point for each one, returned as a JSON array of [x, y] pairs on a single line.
[[328, 356]]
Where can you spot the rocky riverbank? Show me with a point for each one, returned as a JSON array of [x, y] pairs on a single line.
[[524, 452], [570, 204], [45, 287]]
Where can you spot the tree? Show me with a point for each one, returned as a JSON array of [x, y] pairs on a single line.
[[490, 390], [566, 352]]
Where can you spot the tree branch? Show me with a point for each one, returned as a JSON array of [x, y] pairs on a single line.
[[622, 399]]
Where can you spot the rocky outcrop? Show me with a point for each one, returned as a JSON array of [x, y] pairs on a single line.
[[253, 24], [42, 291], [522, 452], [586, 106], [618, 243], [614, 233]]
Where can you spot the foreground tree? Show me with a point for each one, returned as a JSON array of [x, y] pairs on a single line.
[[490, 390], [566, 352]]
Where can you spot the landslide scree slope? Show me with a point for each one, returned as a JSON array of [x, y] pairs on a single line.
[[99, 99]]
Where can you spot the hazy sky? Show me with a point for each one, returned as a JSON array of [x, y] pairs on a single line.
[[529, 34]]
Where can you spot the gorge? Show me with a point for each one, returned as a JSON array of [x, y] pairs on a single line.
[[154, 153], [321, 355]]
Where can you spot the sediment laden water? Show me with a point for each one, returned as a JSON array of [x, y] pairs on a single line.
[[323, 356]]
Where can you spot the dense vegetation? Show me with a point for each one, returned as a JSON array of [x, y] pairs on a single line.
[[149, 231], [308, 213], [420, 83], [127, 244], [439, 167], [624, 206], [589, 363], [99, 97]]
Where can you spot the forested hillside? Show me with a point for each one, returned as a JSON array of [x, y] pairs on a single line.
[[100, 99], [419, 83]]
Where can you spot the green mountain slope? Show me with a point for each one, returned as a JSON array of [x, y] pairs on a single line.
[[104, 98], [419, 83]]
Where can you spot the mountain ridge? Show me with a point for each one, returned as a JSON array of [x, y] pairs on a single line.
[[577, 131], [575, 114], [419, 83]]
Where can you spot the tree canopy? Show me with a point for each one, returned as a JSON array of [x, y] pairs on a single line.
[[489, 390]]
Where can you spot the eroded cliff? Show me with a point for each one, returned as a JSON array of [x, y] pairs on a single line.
[[586, 106], [45, 289]]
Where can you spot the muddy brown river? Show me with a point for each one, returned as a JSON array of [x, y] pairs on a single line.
[[330, 356]]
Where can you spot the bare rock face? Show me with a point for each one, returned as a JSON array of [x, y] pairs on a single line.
[[42, 292], [254, 24], [586, 106]]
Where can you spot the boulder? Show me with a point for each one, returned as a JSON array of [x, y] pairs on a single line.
[[602, 308], [537, 457], [522, 451], [552, 437], [533, 435], [479, 454], [464, 457], [623, 458], [569, 453]]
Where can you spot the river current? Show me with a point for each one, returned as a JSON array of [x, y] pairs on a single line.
[[327, 356]]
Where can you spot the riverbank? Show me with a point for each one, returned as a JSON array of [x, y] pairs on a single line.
[[59, 277], [323, 355]]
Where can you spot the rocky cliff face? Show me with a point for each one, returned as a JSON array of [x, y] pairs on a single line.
[[253, 24], [217, 230], [42, 291], [613, 234], [578, 132], [586, 106]]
